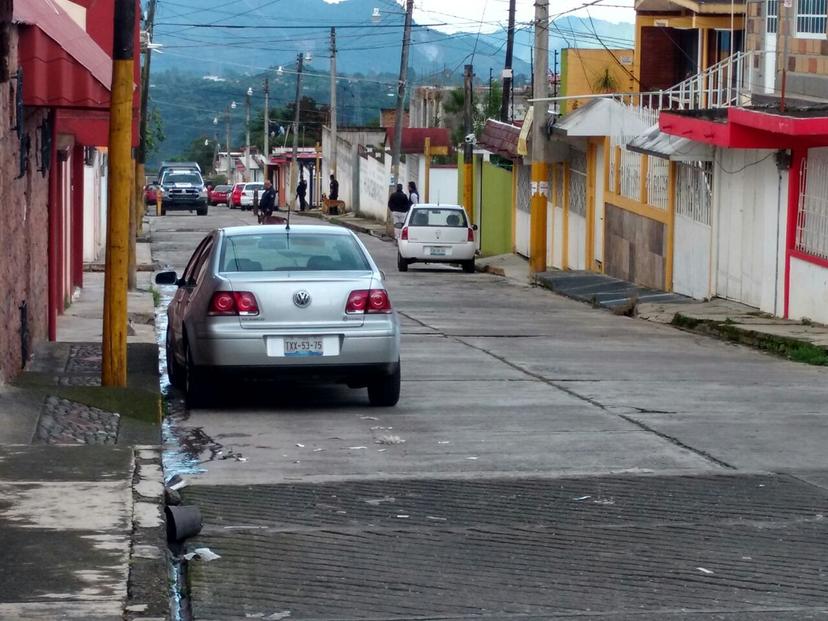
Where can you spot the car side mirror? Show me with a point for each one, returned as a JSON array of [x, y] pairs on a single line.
[[474, 227], [166, 278]]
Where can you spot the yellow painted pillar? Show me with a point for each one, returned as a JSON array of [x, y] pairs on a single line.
[[642, 178], [427, 188], [565, 222], [591, 180], [617, 164], [140, 175], [514, 205], [468, 188], [671, 227], [121, 169]]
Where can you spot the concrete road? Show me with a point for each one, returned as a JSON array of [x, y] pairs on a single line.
[[546, 460]]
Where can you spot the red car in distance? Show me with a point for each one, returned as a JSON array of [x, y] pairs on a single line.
[[150, 195], [235, 196], [220, 195]]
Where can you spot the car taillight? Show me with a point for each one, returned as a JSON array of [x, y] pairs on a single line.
[[364, 301], [471, 235], [404, 234], [230, 303]]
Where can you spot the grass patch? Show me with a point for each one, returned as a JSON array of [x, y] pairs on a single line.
[[156, 296]]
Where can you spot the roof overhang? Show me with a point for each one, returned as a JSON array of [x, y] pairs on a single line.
[[743, 128], [601, 117], [659, 144]]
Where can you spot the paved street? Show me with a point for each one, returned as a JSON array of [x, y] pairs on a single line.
[[546, 460]]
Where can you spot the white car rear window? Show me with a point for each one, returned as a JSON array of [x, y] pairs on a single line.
[[434, 216], [278, 252]]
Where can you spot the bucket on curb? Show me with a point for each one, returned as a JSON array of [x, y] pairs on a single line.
[[183, 522]]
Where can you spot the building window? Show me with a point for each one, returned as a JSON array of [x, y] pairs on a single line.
[[811, 19], [812, 219], [771, 16]]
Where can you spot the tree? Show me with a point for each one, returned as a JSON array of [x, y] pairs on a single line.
[[155, 130], [201, 153], [487, 108]]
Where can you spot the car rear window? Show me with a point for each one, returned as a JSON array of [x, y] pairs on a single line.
[[282, 251], [435, 216]]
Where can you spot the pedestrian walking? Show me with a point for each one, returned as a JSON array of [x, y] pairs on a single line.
[[334, 193], [267, 202], [302, 192], [399, 205], [413, 194]]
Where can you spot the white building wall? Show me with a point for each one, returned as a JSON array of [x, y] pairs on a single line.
[[809, 291], [373, 187], [749, 226], [557, 237], [443, 185], [598, 249]]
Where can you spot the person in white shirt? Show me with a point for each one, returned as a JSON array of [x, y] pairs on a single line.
[[413, 195]]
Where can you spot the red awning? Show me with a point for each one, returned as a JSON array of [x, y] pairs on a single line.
[[62, 65]]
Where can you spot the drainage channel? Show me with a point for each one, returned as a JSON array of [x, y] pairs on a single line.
[[180, 458]]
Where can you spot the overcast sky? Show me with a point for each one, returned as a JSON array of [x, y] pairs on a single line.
[[467, 14]]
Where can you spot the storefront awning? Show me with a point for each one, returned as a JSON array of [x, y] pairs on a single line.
[[657, 143]]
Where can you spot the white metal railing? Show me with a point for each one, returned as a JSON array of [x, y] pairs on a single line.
[[630, 173]]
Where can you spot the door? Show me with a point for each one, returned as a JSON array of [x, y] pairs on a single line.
[[771, 26]]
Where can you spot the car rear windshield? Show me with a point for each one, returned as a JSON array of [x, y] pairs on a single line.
[[435, 216], [182, 177], [283, 251]]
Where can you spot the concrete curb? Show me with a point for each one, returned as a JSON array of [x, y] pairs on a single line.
[[490, 269], [341, 221]]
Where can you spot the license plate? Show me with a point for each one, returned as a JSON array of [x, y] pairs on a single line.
[[438, 251], [304, 346]]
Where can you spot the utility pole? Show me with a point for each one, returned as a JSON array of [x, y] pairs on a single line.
[[294, 163], [333, 101], [266, 142], [507, 71], [247, 134], [141, 155], [468, 145], [401, 84], [114, 342], [540, 183], [229, 159]]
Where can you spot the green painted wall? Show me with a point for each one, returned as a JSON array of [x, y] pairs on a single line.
[[496, 226]]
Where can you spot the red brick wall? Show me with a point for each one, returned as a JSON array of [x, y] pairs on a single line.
[[23, 229]]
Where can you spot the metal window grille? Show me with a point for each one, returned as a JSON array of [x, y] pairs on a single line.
[[658, 171], [811, 18], [812, 219], [694, 190], [772, 16], [524, 189], [630, 174], [577, 182]]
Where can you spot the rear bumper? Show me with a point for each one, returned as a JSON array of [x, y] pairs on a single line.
[[416, 251], [341, 373], [250, 351]]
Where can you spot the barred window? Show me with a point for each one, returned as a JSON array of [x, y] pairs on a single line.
[[811, 19], [772, 16], [812, 219]]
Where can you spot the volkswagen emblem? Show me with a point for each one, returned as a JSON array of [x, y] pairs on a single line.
[[437, 234], [302, 298]]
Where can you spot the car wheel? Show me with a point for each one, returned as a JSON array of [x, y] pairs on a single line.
[[174, 370], [402, 264], [194, 388], [163, 210], [384, 392], [201, 212], [468, 266]]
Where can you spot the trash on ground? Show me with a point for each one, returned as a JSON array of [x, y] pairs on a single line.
[[472, 458], [204, 554], [705, 571], [378, 501], [300, 445], [444, 442], [177, 482], [357, 448], [369, 418], [580, 498], [279, 615], [389, 440], [318, 450], [381, 450], [402, 516], [435, 518]]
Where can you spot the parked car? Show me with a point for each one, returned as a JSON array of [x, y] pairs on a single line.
[[437, 234], [183, 189], [150, 195], [235, 196], [264, 301], [219, 195], [247, 194]]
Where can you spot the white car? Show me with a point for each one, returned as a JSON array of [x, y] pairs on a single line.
[[247, 194], [437, 234]]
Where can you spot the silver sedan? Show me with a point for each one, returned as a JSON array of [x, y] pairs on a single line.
[[305, 302]]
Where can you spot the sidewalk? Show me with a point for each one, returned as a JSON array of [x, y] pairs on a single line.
[[731, 321], [80, 474]]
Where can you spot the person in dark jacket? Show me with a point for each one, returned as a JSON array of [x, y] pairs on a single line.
[[399, 205], [302, 192], [334, 193], [267, 201]]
